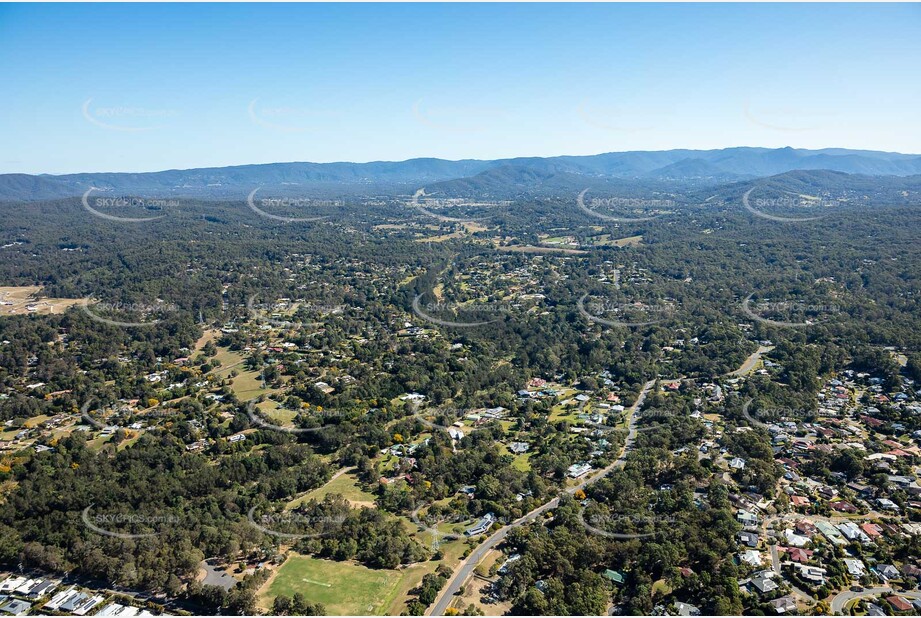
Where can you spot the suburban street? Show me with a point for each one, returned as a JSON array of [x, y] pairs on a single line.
[[842, 599], [466, 567]]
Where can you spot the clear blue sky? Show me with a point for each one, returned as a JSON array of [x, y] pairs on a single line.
[[147, 87]]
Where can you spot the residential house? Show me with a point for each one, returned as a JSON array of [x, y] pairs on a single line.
[[855, 567], [799, 555], [852, 532], [764, 582], [796, 540], [746, 518], [751, 557], [16, 607], [11, 583], [813, 574], [578, 470], [784, 605], [482, 526], [686, 609], [519, 447], [886, 571], [899, 604], [749, 539]]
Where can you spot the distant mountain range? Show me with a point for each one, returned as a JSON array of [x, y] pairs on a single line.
[[506, 176]]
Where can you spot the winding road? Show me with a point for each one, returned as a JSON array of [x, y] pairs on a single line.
[[843, 598], [466, 567]]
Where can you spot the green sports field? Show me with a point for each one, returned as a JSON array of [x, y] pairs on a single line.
[[344, 588]]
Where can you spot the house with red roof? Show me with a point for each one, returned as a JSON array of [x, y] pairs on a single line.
[[843, 505], [797, 554], [898, 603]]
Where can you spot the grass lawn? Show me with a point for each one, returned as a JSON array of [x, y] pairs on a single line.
[[344, 588], [522, 462], [607, 241], [347, 485], [248, 384], [35, 421]]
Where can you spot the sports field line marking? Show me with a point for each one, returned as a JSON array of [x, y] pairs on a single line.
[[310, 581]]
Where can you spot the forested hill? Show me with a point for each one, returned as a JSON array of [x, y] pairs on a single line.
[[696, 166]]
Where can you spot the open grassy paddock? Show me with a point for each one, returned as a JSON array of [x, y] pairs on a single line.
[[345, 588]]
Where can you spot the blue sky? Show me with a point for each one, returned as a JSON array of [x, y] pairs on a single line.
[[141, 87]]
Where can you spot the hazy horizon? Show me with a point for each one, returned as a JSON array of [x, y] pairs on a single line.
[[328, 83]]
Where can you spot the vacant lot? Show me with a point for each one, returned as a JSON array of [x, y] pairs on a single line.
[[345, 588], [25, 299], [346, 485], [248, 384], [607, 241]]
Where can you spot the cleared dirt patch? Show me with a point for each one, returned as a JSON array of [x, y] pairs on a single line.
[[27, 299]]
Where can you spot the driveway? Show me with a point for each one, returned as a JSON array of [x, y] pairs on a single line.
[[467, 566]]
